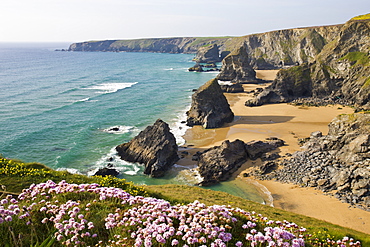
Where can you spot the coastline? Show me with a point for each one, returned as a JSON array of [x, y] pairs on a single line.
[[289, 123]]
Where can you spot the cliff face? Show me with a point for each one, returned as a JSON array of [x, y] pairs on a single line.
[[162, 45], [340, 72], [287, 47], [208, 54]]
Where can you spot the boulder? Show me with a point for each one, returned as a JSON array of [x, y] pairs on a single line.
[[236, 68], [155, 147], [256, 149], [232, 88], [218, 163], [106, 172], [196, 68], [209, 107]]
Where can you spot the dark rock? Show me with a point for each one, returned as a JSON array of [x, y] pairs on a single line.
[[106, 172], [232, 88], [218, 163], [210, 65], [209, 107], [236, 67], [269, 156], [255, 149], [267, 167], [196, 68], [155, 147]]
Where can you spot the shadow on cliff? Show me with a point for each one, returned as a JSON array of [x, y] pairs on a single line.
[[261, 119]]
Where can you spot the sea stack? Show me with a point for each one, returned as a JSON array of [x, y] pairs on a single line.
[[209, 107], [236, 67], [155, 147]]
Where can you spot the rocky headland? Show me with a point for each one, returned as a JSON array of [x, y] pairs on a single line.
[[339, 73], [209, 107], [155, 147]]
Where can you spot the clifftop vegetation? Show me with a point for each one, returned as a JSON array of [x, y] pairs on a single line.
[[80, 211]]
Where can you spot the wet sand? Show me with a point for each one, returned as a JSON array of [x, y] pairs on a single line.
[[289, 123]]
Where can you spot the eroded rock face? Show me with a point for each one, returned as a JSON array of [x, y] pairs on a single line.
[[232, 88], [209, 107], [155, 147], [218, 163], [338, 74], [208, 54], [236, 67]]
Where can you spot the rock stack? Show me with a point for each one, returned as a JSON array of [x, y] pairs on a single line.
[[209, 107], [155, 147]]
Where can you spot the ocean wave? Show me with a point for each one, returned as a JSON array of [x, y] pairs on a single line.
[[178, 126], [83, 100], [111, 87], [111, 159], [70, 170], [121, 129]]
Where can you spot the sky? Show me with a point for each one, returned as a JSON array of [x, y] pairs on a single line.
[[85, 20]]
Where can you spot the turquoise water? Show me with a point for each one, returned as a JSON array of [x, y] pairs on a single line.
[[57, 108]]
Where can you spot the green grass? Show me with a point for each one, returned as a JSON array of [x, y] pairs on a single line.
[[16, 175], [361, 17], [357, 58]]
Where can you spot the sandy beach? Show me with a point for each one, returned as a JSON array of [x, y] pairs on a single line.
[[289, 123]]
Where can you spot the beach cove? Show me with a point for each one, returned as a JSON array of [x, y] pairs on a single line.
[[287, 122]]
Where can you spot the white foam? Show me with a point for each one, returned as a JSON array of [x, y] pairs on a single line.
[[83, 100], [120, 165], [120, 129], [224, 82], [111, 87], [70, 170], [179, 129]]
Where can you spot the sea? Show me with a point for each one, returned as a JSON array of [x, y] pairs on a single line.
[[69, 110]]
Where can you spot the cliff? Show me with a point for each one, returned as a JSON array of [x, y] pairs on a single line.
[[162, 45], [339, 73]]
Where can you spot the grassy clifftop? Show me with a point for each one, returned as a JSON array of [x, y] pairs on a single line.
[[91, 212]]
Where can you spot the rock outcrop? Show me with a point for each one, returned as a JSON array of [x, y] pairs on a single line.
[[232, 88], [208, 54], [236, 67], [106, 172], [338, 163], [209, 107], [220, 162], [155, 147], [339, 73]]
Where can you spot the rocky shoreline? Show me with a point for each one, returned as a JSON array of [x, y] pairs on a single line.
[[337, 164]]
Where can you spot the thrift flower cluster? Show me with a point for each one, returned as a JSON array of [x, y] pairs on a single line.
[[143, 221]]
